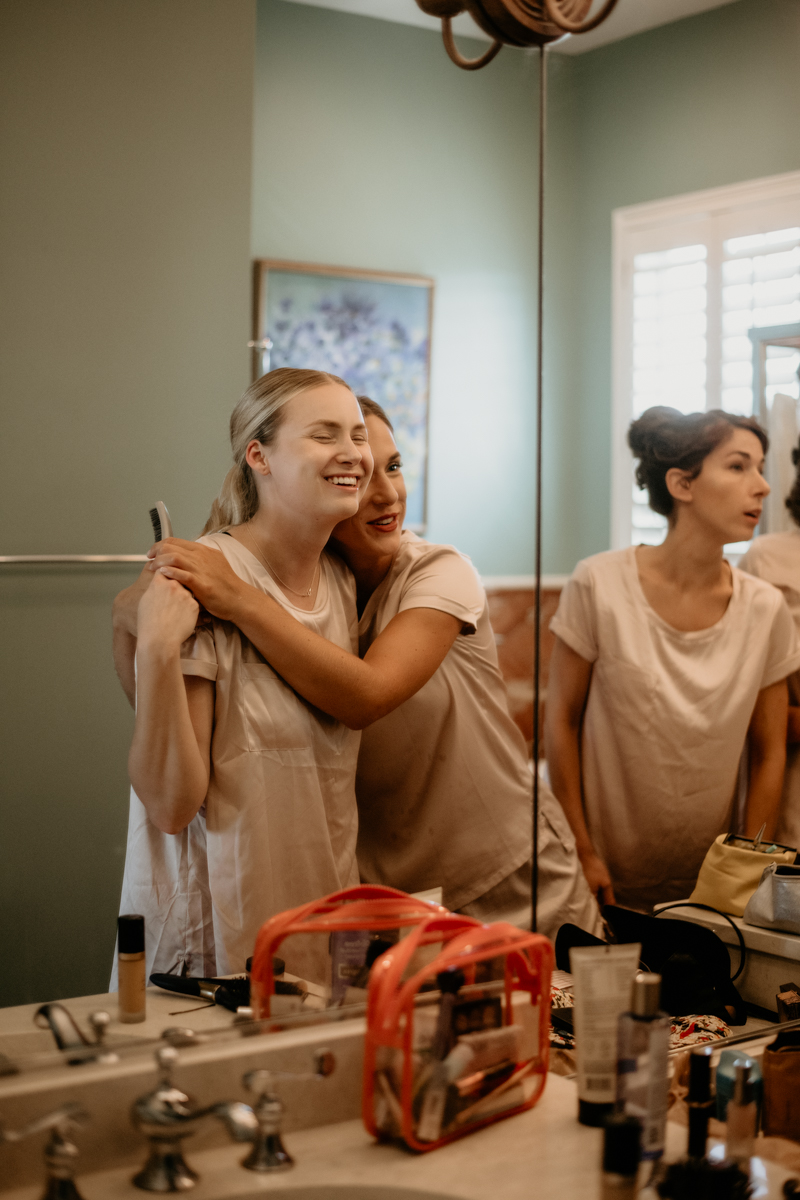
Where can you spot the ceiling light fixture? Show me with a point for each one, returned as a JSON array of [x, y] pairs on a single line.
[[514, 22]]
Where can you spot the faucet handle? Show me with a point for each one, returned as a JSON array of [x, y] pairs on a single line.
[[269, 1152], [260, 1081], [60, 1153], [99, 1022], [63, 1119], [166, 1060]]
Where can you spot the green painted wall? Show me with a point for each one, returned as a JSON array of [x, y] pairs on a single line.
[[124, 252], [706, 101], [373, 150]]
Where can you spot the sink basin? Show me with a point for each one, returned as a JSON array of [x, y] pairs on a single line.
[[332, 1191]]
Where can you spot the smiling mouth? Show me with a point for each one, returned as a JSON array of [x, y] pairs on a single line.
[[348, 481], [387, 522]]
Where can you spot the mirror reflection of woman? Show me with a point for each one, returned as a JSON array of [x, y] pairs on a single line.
[[243, 800], [666, 660], [444, 785], [775, 557]]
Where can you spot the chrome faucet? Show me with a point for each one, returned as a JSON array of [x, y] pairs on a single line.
[[69, 1036], [269, 1153], [167, 1115], [60, 1153]]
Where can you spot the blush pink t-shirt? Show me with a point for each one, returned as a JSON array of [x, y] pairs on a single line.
[[666, 718], [443, 783]]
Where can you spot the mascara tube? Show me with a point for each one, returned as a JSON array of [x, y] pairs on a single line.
[[700, 1101]]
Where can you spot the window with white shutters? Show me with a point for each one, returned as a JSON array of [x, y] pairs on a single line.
[[692, 276]]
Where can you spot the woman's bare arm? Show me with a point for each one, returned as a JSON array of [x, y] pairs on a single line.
[[355, 691], [124, 616], [169, 760], [767, 755], [567, 689]]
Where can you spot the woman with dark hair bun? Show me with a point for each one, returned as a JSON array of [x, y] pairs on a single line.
[[666, 660], [775, 557]]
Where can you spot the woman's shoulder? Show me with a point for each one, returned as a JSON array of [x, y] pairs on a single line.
[[778, 549], [604, 569], [757, 590], [419, 561]]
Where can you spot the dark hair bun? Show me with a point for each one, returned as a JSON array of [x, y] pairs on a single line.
[[663, 438]]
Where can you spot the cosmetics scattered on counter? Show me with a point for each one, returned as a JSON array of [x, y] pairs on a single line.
[[132, 985]]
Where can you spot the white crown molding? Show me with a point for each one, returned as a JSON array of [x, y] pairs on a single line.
[[710, 201], [629, 18]]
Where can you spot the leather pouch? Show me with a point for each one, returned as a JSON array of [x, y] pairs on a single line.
[[731, 872], [458, 1023], [780, 1114]]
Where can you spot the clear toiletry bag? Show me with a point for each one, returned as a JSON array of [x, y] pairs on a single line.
[[458, 1022], [329, 946], [732, 870]]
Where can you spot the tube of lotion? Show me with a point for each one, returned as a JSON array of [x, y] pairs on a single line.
[[602, 977]]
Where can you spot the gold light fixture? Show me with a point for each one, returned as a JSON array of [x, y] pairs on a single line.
[[514, 22]]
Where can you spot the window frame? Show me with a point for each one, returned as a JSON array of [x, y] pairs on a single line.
[[711, 216]]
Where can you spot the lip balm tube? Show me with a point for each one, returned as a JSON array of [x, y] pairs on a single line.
[[602, 976], [131, 968]]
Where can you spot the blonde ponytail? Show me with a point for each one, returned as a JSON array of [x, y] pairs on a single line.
[[257, 417]]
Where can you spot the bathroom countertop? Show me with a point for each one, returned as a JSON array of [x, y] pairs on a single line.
[[163, 1008], [543, 1153]]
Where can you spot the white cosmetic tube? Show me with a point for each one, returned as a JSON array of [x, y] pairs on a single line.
[[602, 977]]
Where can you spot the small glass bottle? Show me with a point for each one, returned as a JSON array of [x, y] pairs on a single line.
[[621, 1154], [131, 967], [642, 1050], [741, 1119]]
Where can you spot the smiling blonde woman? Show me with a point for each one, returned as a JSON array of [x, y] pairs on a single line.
[[444, 784], [243, 798]]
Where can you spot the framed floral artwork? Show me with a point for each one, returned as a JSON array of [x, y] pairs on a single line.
[[372, 328]]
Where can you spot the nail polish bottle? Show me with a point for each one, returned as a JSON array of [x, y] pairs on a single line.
[[131, 969]]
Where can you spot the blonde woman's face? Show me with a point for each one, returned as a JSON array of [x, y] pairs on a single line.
[[319, 464], [375, 530]]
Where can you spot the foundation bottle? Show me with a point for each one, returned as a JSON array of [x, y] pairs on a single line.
[[131, 967]]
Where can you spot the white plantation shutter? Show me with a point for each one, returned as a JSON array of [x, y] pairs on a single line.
[[692, 277], [760, 288]]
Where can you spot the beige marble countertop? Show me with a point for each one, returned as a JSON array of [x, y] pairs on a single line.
[[543, 1153]]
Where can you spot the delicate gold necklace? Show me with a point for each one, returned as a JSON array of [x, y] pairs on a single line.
[[274, 573]]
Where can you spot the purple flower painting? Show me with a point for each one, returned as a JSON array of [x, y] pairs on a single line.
[[374, 333]]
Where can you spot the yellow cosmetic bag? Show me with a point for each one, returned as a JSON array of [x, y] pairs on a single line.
[[732, 871]]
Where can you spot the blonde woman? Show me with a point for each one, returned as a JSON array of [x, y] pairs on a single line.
[[243, 800]]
